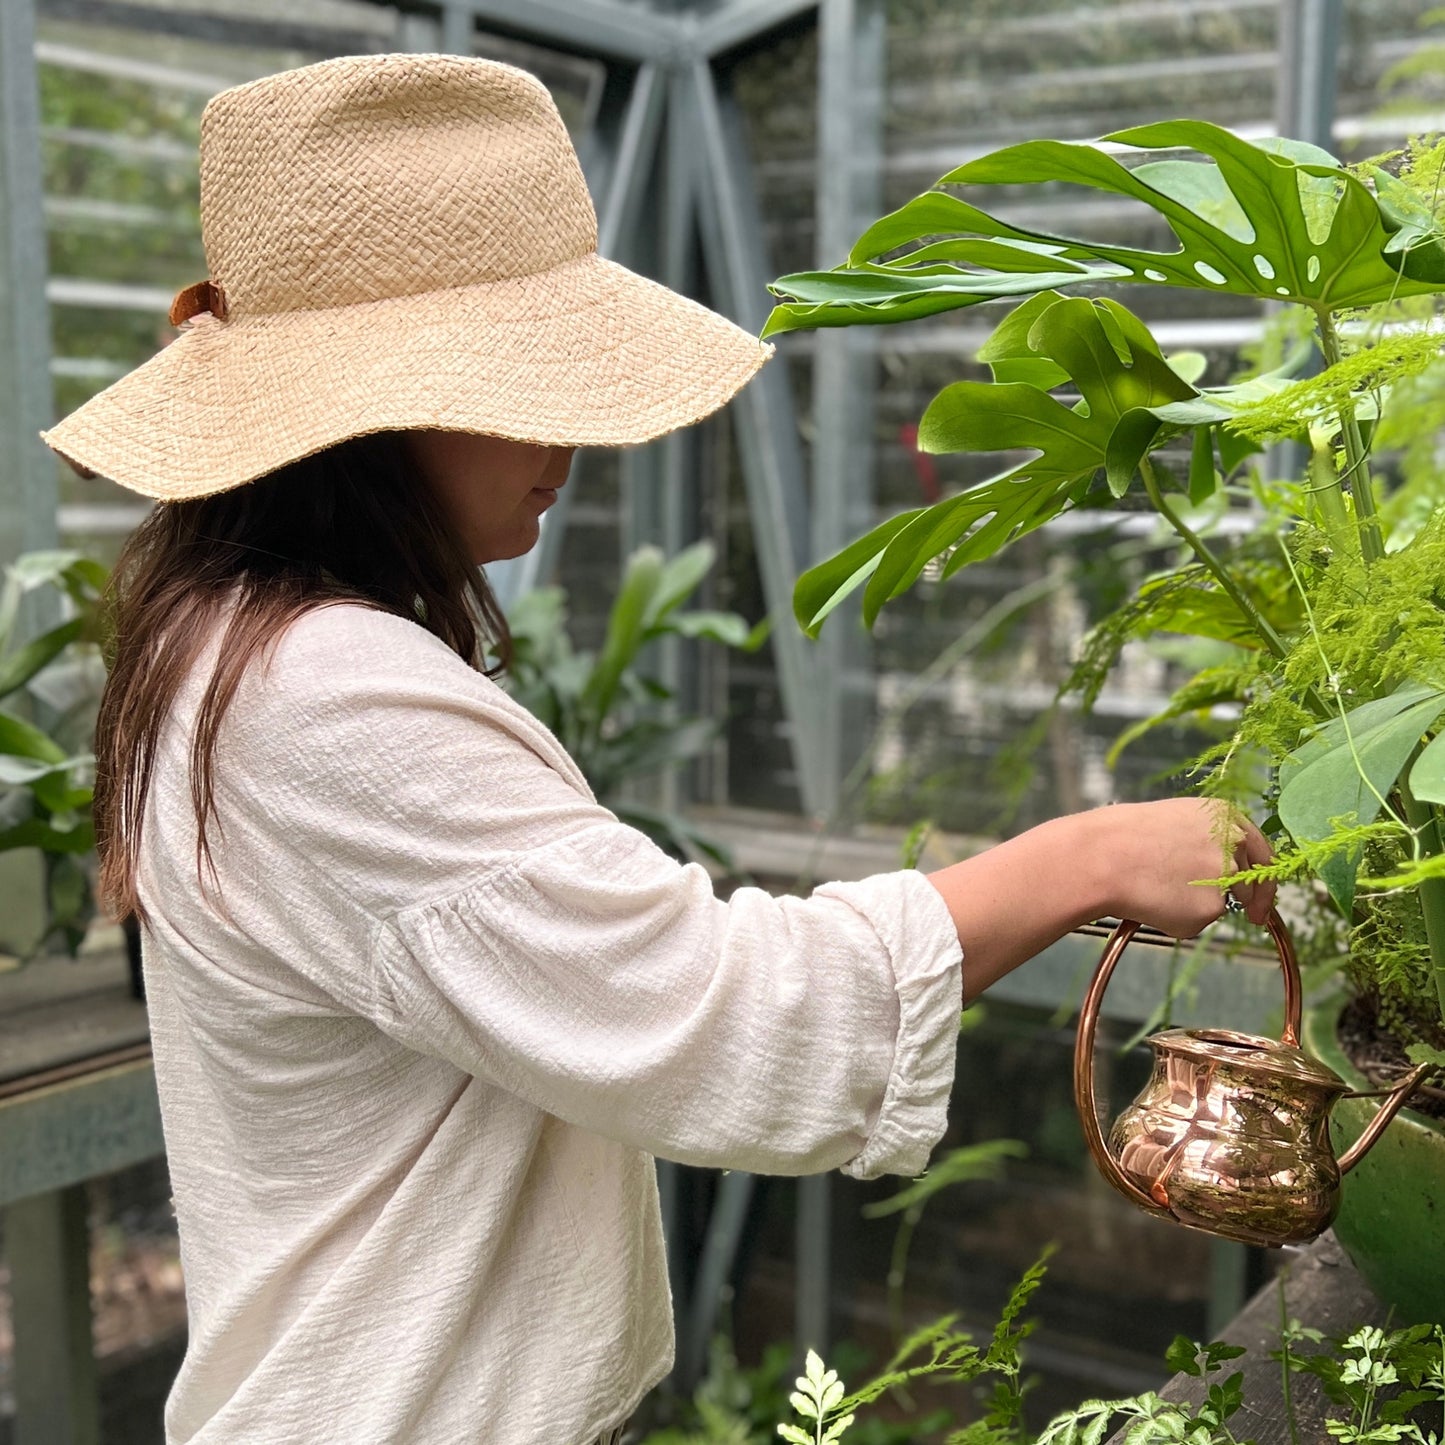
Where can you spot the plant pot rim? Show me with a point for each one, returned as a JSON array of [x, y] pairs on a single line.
[[1321, 1036]]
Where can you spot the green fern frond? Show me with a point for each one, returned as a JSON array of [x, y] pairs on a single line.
[[1317, 401]]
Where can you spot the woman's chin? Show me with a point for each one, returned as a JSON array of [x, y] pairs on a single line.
[[504, 549]]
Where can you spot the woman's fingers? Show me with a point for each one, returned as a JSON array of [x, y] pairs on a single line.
[[1250, 851]]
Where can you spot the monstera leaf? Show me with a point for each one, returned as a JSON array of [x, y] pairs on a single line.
[[1108, 355], [1279, 219]]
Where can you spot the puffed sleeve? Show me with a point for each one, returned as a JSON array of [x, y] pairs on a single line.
[[517, 929]]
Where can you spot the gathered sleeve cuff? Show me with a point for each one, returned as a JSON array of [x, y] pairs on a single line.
[[918, 931]]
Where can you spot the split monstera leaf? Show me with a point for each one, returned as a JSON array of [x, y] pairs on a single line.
[[1278, 220], [1131, 401]]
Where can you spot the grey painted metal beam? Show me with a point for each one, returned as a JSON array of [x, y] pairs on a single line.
[[678, 246], [591, 27], [813, 1245], [124, 67], [633, 179], [458, 27], [27, 470], [848, 165], [107, 295], [273, 33], [1306, 89], [741, 21], [677, 478], [849, 155], [1309, 45], [766, 429], [719, 1251], [47, 1245], [636, 155]]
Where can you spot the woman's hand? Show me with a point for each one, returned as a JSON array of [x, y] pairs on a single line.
[[1136, 860], [1154, 854]]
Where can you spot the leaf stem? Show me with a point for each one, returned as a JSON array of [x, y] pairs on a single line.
[[1425, 822], [1212, 564], [898, 1268], [1334, 515], [1357, 469], [1284, 1364]]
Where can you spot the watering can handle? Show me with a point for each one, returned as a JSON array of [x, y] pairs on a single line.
[[1084, 1100]]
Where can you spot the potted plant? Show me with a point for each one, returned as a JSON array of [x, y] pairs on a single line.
[[49, 686], [611, 714], [1328, 615]]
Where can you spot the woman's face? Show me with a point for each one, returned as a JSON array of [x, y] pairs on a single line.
[[494, 490]]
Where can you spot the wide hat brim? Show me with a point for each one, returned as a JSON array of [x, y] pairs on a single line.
[[587, 353]]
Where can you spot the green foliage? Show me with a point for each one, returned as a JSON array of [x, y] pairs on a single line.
[[1279, 219], [49, 685], [1361, 377], [941, 1352], [1123, 401], [1324, 678], [607, 711], [958, 1166], [817, 1399], [1340, 775], [1377, 1382], [910, 851], [1353, 1370], [1128, 397]]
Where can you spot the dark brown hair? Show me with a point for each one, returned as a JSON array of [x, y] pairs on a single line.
[[355, 523]]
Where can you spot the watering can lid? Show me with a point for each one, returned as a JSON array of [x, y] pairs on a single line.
[[1225, 1046]]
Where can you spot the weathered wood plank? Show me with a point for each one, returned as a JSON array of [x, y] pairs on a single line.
[[71, 1131], [1322, 1290], [60, 1010]]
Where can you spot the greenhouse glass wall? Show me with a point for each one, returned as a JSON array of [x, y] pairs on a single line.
[[726, 143]]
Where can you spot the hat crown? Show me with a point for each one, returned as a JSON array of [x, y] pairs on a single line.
[[381, 176]]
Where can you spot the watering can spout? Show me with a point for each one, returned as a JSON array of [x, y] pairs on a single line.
[[1394, 1101]]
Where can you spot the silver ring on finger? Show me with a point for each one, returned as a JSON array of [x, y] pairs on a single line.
[[1231, 903]]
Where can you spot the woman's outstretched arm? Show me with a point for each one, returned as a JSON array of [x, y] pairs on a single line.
[[1137, 860]]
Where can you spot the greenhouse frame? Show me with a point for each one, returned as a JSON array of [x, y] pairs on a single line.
[[677, 108]]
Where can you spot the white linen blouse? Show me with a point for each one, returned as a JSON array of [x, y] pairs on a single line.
[[419, 1038]]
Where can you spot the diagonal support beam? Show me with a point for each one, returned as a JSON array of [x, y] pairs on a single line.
[[741, 21], [767, 435], [584, 27], [636, 154]]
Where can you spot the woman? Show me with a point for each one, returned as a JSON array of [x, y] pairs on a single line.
[[423, 1012]]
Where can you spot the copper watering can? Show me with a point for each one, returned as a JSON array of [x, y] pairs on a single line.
[[1231, 1133]]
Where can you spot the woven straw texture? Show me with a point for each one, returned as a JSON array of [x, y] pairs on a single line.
[[401, 241]]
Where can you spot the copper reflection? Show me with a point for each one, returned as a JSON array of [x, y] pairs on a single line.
[[1231, 1133]]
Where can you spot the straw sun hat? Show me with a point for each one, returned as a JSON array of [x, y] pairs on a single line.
[[399, 241]]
